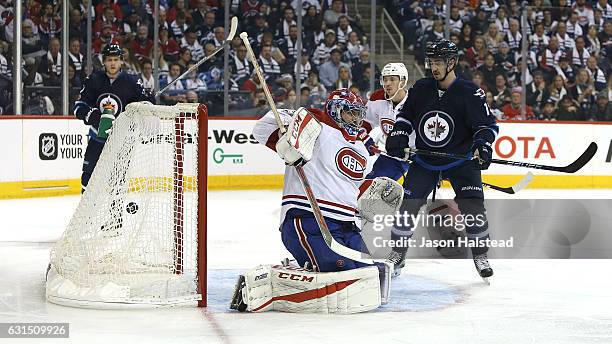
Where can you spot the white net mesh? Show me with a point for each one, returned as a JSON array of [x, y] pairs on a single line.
[[134, 236]]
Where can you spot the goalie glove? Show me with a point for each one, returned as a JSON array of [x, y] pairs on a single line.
[[296, 146], [379, 196]]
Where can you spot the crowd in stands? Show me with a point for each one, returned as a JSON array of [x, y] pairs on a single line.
[[568, 59], [569, 48], [334, 54]]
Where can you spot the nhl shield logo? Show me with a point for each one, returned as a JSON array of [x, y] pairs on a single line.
[[47, 146], [436, 128]]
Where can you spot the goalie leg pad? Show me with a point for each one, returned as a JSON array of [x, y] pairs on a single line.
[[293, 290]]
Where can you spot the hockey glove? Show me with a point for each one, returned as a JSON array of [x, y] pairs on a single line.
[[93, 117], [105, 126], [398, 139], [368, 141], [483, 153], [296, 146]]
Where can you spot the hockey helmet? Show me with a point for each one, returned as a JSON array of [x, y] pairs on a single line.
[[394, 68], [112, 49], [342, 100], [441, 49]]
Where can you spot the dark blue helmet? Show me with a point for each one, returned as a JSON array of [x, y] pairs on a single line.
[[112, 49], [443, 49]]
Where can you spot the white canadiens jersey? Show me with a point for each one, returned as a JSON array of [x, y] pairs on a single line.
[[336, 170], [381, 113]]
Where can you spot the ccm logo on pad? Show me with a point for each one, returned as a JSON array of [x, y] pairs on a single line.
[[351, 163], [295, 277]]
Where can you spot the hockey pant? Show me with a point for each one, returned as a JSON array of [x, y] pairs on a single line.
[[302, 238], [466, 181]]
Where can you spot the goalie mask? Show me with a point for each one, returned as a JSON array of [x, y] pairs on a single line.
[[347, 109]]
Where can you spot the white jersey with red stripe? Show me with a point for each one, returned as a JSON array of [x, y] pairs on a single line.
[[336, 170], [381, 113]]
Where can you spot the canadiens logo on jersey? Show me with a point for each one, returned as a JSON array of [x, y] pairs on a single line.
[[110, 101], [386, 125], [351, 163], [436, 128]]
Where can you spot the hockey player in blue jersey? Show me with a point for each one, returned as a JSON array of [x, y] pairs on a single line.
[[110, 89], [450, 115]]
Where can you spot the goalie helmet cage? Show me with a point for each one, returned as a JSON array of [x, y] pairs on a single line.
[[138, 236]]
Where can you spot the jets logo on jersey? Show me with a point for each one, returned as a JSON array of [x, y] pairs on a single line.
[[436, 128], [386, 125], [481, 93], [351, 163], [110, 100]]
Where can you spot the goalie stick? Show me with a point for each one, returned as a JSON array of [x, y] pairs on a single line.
[[582, 160], [228, 39], [329, 239], [509, 190]]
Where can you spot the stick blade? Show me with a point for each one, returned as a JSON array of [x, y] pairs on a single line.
[[522, 183], [582, 160], [233, 29]]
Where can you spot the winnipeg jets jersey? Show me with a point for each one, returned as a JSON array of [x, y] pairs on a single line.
[[336, 170]]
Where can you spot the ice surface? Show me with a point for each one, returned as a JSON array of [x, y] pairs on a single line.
[[433, 301]]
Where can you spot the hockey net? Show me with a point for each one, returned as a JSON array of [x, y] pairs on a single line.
[[137, 237]]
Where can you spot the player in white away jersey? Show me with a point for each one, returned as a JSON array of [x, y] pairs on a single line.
[[327, 145], [381, 111]]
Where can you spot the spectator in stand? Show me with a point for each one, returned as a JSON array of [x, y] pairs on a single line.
[[477, 78], [240, 66], [557, 89], [306, 66], [476, 54], [537, 93], [566, 43], [602, 110], [282, 30], [139, 7], [565, 71], [142, 46], [184, 59], [596, 74], [480, 23], [218, 36], [538, 41], [328, 72], [191, 97], [31, 45], [49, 23], [548, 111], [270, 67], [568, 110], [75, 58], [583, 91], [585, 13], [179, 26], [162, 20], [77, 25], [332, 15], [344, 78], [492, 107], [179, 6], [194, 82], [315, 37], [493, 38], [175, 93], [505, 58], [580, 54], [573, 28], [592, 42], [599, 21], [456, 24], [466, 38], [353, 47], [169, 47], [512, 111], [321, 55], [310, 17], [606, 9], [501, 93], [148, 83], [514, 37], [107, 20], [288, 45], [130, 25], [343, 30], [317, 90], [191, 43], [549, 58], [51, 64], [131, 65], [489, 70], [502, 22], [104, 4], [198, 14], [215, 61]]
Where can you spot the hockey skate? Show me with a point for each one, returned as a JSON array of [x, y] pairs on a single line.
[[398, 259], [482, 266], [237, 301]]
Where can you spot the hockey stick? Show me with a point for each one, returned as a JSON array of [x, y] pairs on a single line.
[[582, 160], [509, 190], [514, 188], [329, 239], [230, 36]]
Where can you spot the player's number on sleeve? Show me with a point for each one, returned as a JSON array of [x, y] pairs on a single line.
[[487, 109]]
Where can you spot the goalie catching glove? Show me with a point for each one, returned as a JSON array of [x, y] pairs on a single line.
[[296, 146], [379, 196]]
